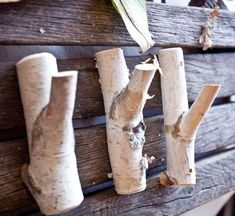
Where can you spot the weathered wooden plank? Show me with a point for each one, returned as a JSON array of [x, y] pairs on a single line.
[[91, 150], [215, 177], [89, 100], [200, 69], [16, 52], [65, 22], [208, 3], [93, 163]]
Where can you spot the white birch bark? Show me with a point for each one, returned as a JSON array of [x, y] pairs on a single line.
[[124, 100], [181, 124], [48, 101], [34, 77]]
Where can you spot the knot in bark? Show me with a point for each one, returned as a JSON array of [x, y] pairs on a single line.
[[136, 135]]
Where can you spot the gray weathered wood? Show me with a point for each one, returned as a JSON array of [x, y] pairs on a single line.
[[216, 133], [65, 22], [91, 150], [208, 3], [200, 69], [215, 177]]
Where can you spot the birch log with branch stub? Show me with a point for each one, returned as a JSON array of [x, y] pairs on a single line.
[[124, 100], [181, 123], [48, 100]]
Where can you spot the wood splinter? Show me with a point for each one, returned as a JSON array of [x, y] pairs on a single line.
[[205, 37], [48, 101], [181, 123], [124, 100]]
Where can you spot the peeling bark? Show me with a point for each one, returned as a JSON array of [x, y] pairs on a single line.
[[124, 100]]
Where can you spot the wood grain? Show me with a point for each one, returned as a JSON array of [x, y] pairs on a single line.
[[200, 69], [216, 133], [215, 177], [208, 3], [92, 22]]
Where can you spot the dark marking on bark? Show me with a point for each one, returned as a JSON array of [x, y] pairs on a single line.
[[29, 180], [166, 180], [174, 129], [127, 105], [37, 131], [136, 134], [112, 112]]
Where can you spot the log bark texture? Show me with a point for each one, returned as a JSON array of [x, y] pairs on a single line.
[[215, 134], [64, 22], [35, 76], [124, 101], [48, 100], [215, 178], [181, 124], [199, 68]]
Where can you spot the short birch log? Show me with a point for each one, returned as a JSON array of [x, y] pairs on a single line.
[[181, 124], [48, 101], [124, 100]]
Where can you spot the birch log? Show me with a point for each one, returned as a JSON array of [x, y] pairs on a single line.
[[9, 1], [34, 76], [124, 100], [181, 124], [48, 101]]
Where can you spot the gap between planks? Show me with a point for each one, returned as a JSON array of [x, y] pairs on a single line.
[[216, 132], [200, 69], [214, 179]]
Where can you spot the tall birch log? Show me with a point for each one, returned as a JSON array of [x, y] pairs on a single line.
[[181, 123], [48, 101], [34, 77], [124, 100]]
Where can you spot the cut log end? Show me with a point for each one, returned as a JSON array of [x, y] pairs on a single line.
[[114, 50], [35, 56], [65, 74], [146, 67]]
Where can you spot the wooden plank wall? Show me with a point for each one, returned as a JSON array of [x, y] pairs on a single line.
[[91, 26], [95, 22]]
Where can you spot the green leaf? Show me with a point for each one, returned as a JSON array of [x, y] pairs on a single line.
[[134, 15]]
